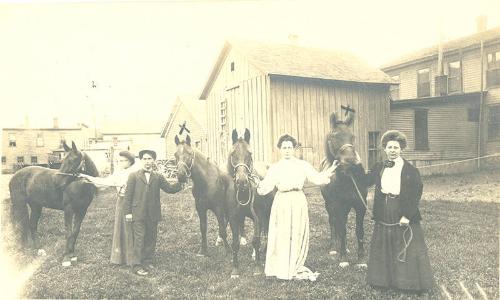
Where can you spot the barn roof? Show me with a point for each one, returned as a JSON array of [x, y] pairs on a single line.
[[196, 108], [470, 41], [298, 61]]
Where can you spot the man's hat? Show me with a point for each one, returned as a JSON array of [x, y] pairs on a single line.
[[150, 152]]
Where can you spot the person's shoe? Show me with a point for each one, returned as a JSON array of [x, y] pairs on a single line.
[[141, 272]]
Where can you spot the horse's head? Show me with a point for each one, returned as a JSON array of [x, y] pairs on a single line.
[[184, 157], [340, 141], [240, 162], [74, 160]]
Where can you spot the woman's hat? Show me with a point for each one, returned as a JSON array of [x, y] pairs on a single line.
[[128, 155], [150, 152]]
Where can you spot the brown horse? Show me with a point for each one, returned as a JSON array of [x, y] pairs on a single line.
[[212, 190], [343, 192], [240, 166], [61, 189]]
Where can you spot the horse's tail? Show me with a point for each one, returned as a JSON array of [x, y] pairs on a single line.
[[19, 214]]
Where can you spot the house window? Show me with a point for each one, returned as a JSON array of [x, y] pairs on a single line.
[[394, 89], [494, 123], [223, 115], [20, 159], [39, 139], [421, 130], [454, 77], [4, 160], [12, 140], [373, 148], [232, 66], [34, 160], [423, 83], [473, 114], [493, 71]]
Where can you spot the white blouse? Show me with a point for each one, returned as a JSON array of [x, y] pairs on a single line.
[[391, 178], [289, 174], [118, 179]]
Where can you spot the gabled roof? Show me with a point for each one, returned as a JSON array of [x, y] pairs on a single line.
[[297, 61], [467, 42], [196, 108]]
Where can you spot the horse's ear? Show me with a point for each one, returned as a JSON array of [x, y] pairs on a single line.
[[234, 136], [247, 135], [188, 140], [350, 119], [65, 146], [333, 121], [73, 146], [177, 142]]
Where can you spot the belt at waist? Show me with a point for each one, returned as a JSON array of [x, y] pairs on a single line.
[[292, 190], [391, 196]]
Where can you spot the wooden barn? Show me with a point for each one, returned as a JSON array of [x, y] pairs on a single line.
[[274, 89]]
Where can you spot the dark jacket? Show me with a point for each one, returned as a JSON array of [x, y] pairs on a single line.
[[142, 199], [410, 193]]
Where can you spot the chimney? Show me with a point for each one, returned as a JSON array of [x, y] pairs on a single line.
[[56, 123], [481, 23], [293, 38], [26, 121]]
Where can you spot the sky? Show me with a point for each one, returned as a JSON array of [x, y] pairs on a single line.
[[141, 55]]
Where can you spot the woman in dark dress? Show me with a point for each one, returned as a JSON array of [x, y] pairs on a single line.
[[398, 253]]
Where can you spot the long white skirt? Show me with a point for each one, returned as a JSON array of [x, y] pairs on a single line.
[[288, 238]]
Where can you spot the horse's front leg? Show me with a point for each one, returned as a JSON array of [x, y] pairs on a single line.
[[36, 212], [77, 224], [68, 224], [223, 229], [202, 214], [360, 233], [331, 222], [342, 211], [257, 229], [235, 223]]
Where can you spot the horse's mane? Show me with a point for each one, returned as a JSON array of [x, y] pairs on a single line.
[[328, 154], [90, 167]]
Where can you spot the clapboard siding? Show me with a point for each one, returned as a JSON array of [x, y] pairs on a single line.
[[446, 137], [303, 109]]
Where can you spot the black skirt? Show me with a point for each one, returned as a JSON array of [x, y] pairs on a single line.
[[388, 265]]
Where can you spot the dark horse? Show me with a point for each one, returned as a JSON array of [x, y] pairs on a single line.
[[343, 192], [61, 189], [240, 166], [212, 190]]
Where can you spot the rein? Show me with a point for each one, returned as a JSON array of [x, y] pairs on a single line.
[[402, 253]]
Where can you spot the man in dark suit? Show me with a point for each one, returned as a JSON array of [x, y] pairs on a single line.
[[143, 209]]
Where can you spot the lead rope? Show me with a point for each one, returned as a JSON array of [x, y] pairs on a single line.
[[402, 253]]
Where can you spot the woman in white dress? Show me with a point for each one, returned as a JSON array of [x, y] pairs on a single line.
[[121, 248], [288, 238]]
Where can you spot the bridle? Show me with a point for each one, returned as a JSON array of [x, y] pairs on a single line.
[[251, 177], [188, 167], [79, 169]]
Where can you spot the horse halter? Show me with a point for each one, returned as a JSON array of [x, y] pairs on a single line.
[[189, 168], [81, 166]]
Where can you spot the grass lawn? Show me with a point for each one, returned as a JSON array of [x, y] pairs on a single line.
[[462, 238]]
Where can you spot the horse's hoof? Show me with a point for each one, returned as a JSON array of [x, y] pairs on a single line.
[[218, 241], [257, 271], [234, 276], [73, 260], [202, 253], [333, 252], [41, 252], [344, 264], [66, 263], [243, 241], [362, 266]]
